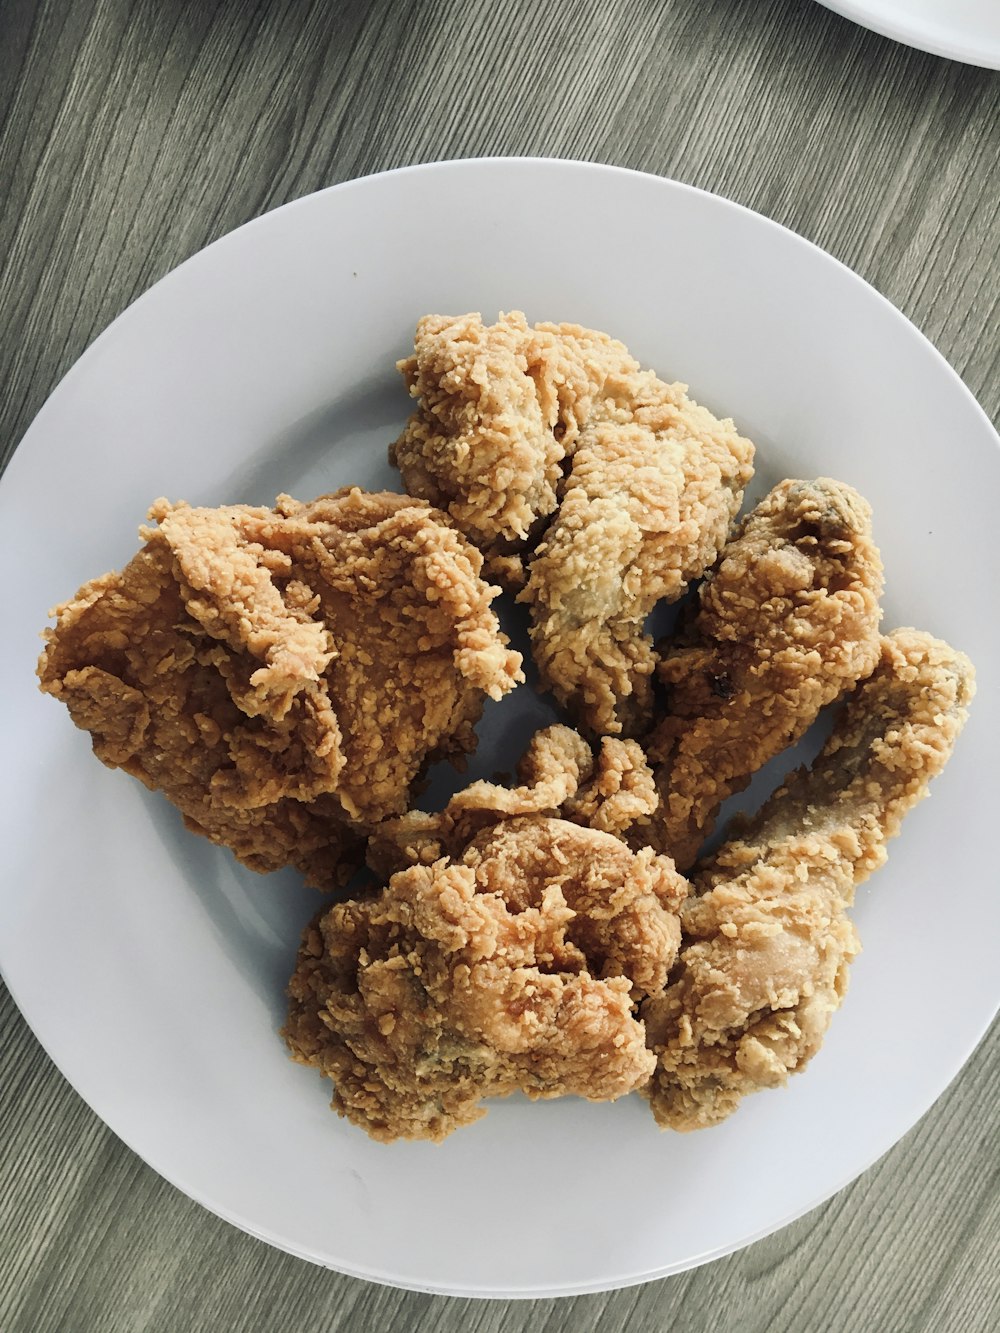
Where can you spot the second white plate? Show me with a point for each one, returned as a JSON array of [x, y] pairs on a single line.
[[965, 30]]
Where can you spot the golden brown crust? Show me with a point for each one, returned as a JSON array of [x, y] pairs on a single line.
[[655, 481], [655, 484], [620, 792], [787, 621], [513, 967], [283, 675], [558, 775], [500, 407], [767, 942]]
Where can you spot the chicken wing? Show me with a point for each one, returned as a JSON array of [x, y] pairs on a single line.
[[767, 942], [284, 675], [787, 622]]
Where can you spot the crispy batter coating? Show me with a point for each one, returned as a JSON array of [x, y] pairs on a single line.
[[766, 940], [620, 791], [786, 623], [513, 968], [558, 775], [655, 484], [500, 407], [283, 675]]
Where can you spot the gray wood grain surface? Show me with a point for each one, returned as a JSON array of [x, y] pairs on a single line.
[[133, 132]]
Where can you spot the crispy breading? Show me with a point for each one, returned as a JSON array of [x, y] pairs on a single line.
[[786, 622], [558, 775], [767, 942], [284, 675], [655, 483], [654, 480], [500, 408], [514, 967]]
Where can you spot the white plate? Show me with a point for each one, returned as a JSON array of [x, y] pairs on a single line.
[[966, 30], [152, 967]]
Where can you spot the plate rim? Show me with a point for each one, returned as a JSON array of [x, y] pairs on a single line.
[[488, 160]]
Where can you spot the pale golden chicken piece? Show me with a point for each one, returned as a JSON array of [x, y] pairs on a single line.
[[558, 775], [656, 482], [767, 942], [786, 622], [284, 675], [512, 967], [500, 408]]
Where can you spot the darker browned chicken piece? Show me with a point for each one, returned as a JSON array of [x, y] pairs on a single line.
[[514, 966], [787, 621]]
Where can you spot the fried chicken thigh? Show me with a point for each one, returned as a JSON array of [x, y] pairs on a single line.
[[507, 951], [767, 942], [787, 621], [284, 675], [512, 967]]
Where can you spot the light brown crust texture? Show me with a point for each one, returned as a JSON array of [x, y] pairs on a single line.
[[554, 432], [767, 942], [655, 484], [283, 675], [786, 622], [558, 775], [514, 967], [499, 408]]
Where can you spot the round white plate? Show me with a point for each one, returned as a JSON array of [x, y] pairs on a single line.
[[966, 30], [152, 966]]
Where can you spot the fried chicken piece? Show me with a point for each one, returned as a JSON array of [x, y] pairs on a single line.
[[500, 407], [655, 484], [767, 942], [787, 622], [558, 775], [512, 968], [284, 675]]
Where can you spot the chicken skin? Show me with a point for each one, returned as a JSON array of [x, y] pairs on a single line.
[[787, 621], [515, 966], [500, 407], [284, 675], [590, 484], [558, 775], [656, 482], [767, 942]]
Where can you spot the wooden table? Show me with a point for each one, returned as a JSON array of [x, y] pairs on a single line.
[[132, 133]]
